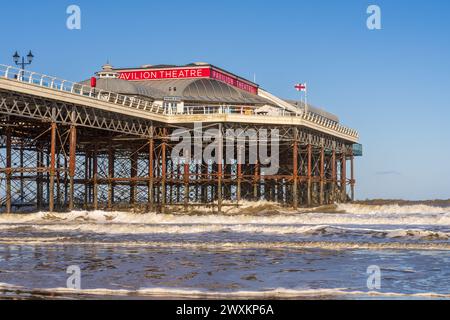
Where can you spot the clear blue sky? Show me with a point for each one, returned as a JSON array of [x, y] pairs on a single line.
[[393, 85]]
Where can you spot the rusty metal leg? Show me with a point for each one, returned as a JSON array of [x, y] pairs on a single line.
[[169, 177], [171, 171], [110, 178], [52, 168], [344, 177], [66, 182], [275, 190], [219, 188], [39, 166], [239, 174], [8, 170], [256, 181], [352, 173], [322, 176], [150, 174], [256, 177], [333, 175], [212, 182], [309, 175], [220, 170], [72, 165], [47, 183], [58, 180], [157, 178], [295, 170], [163, 171], [134, 171], [186, 181], [203, 177], [198, 182], [87, 161], [95, 177], [22, 182]]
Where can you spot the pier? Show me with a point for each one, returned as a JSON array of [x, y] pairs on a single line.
[[68, 146]]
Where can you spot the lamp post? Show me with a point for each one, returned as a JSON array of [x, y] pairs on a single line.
[[20, 61]]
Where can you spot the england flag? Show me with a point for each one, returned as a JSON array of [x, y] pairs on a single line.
[[301, 87]]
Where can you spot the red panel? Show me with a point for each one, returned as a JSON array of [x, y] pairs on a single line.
[[161, 74], [233, 81], [188, 73]]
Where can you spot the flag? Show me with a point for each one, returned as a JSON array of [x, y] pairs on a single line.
[[301, 87]]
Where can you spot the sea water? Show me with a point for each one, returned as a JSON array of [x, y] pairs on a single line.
[[257, 251]]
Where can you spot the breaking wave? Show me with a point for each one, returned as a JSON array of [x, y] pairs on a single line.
[[250, 212], [278, 293], [297, 230], [231, 246], [262, 213], [259, 224], [393, 209]]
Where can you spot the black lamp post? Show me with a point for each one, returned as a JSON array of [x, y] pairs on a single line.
[[21, 62]]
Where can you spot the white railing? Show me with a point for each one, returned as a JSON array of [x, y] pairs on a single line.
[[242, 110], [54, 83]]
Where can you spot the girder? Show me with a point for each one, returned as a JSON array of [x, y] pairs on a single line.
[[45, 110]]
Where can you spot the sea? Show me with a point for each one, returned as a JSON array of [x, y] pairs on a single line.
[[256, 251]]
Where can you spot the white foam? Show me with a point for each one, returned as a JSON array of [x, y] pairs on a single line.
[[383, 222], [357, 215], [249, 229], [393, 209], [231, 245], [276, 293]]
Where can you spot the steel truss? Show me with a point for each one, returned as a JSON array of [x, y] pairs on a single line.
[[58, 157]]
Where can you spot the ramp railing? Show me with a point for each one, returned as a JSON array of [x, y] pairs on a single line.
[[42, 80], [54, 83]]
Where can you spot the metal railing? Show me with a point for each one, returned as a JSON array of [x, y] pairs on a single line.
[[55, 83], [244, 110]]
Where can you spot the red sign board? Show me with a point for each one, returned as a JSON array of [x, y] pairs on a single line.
[[188, 73], [164, 74], [233, 81]]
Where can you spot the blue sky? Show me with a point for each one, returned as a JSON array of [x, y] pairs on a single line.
[[393, 85]]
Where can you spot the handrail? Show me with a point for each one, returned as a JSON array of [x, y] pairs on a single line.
[[34, 78], [54, 83], [309, 117]]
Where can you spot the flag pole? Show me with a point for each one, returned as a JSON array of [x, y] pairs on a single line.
[[306, 98], [301, 101]]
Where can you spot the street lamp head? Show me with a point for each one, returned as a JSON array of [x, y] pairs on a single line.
[[16, 57], [30, 57]]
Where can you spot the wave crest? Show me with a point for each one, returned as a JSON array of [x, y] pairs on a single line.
[[276, 293]]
